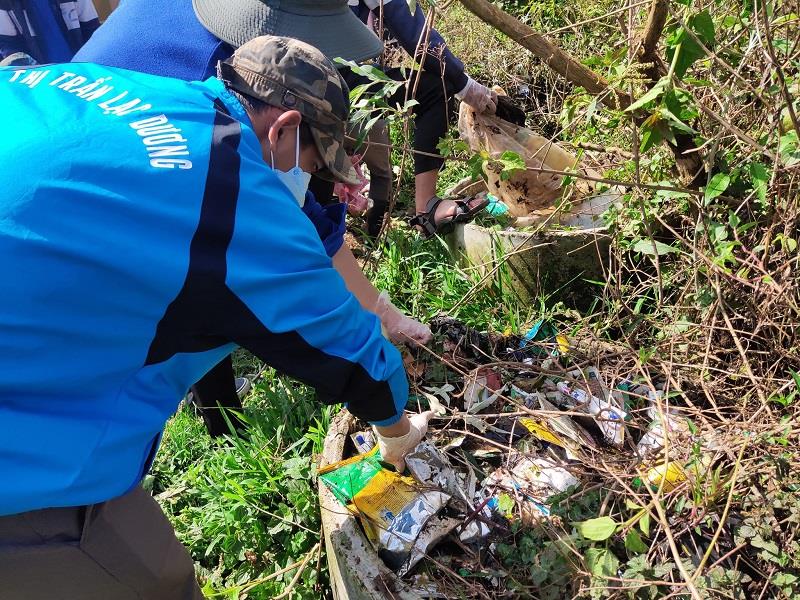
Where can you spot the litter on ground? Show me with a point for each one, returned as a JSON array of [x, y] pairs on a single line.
[[524, 426]]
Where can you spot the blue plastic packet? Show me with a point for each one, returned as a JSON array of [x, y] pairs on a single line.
[[496, 206]]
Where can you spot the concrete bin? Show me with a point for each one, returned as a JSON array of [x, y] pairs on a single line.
[[537, 263]]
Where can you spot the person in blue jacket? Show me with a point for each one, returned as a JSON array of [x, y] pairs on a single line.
[[44, 31], [156, 226], [165, 37]]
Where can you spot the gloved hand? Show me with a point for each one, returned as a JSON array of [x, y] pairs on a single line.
[[399, 328], [352, 193], [478, 96], [394, 449]]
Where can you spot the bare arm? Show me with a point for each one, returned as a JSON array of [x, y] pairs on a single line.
[[355, 280]]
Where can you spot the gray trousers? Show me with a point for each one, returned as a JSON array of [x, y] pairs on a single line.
[[377, 157], [123, 549]]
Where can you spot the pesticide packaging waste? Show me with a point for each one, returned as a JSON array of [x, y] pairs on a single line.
[[392, 509], [533, 481], [544, 473], [506, 488], [364, 441], [610, 419], [668, 474], [665, 429], [482, 390], [496, 207], [526, 189], [559, 429], [431, 468]]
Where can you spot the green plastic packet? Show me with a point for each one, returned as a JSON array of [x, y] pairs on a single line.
[[348, 477]]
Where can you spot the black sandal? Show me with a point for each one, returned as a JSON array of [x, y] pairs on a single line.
[[464, 214]]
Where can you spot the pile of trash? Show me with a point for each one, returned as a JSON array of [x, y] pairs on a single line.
[[519, 432]]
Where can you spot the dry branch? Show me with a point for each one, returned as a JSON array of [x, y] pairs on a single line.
[[656, 19], [553, 56]]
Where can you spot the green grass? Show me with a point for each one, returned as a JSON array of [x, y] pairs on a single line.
[[424, 279], [246, 507]]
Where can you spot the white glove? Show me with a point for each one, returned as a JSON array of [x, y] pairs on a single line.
[[394, 449], [478, 96], [399, 328]]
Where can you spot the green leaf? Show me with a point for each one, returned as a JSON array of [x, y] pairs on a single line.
[[682, 51], [760, 177], [659, 571], [591, 108], [371, 72], [650, 137], [644, 523], [675, 121], [512, 162], [717, 186], [505, 504], [598, 529], [703, 26], [786, 19], [784, 579], [653, 247], [718, 232], [634, 543], [602, 562], [759, 542], [796, 378], [653, 93], [789, 148], [475, 164], [683, 104]]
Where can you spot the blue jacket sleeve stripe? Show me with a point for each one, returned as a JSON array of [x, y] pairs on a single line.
[[286, 309], [328, 220]]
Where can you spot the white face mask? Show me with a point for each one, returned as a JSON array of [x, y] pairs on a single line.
[[295, 178]]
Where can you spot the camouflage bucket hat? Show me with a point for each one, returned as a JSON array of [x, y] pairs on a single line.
[[293, 75]]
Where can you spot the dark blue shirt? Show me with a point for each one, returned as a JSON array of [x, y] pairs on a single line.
[[409, 28], [49, 31], [45, 30], [159, 37]]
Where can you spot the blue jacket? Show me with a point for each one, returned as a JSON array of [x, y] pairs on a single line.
[[164, 37], [77, 20], [142, 239]]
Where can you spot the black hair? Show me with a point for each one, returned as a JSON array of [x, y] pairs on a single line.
[[306, 139], [250, 103]]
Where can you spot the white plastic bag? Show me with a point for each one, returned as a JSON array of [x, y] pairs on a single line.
[[524, 192]]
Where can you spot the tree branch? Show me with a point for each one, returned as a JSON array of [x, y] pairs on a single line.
[[554, 57]]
